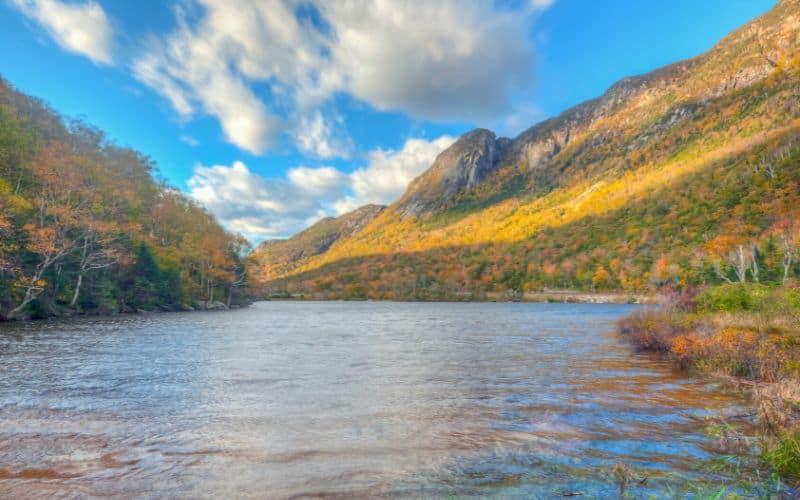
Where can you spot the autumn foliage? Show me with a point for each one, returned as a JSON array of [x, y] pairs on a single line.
[[85, 227]]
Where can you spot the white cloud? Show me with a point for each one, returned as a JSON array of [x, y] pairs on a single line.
[[188, 139], [445, 60], [389, 173], [249, 63], [542, 4], [148, 69], [250, 204], [193, 67], [314, 136], [321, 182], [262, 208], [82, 28]]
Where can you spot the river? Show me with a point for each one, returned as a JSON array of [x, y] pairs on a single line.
[[318, 399]]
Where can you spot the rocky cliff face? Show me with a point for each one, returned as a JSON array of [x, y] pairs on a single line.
[[460, 168]]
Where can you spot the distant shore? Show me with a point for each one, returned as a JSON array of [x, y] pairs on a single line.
[[589, 297], [551, 296], [557, 296]]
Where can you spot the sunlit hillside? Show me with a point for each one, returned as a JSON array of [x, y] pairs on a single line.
[[630, 191]]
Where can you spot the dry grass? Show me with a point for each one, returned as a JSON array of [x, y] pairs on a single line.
[[778, 405]]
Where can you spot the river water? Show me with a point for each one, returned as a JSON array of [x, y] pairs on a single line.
[[296, 399]]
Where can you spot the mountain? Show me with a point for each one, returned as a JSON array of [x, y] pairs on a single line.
[[463, 167], [278, 257], [624, 192]]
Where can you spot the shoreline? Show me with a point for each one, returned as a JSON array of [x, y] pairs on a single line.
[[575, 297], [68, 315]]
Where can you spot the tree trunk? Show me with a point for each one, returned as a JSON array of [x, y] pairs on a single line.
[[787, 266], [741, 266], [32, 287], [77, 291], [84, 256], [29, 296], [19, 184], [719, 272]]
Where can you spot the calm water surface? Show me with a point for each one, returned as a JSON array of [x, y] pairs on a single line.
[[360, 399]]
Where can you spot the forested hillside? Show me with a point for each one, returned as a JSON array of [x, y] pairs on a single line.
[[85, 227], [283, 256], [687, 175]]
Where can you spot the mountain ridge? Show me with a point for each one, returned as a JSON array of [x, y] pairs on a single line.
[[542, 141], [489, 190]]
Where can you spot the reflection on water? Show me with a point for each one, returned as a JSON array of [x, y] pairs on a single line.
[[316, 399]]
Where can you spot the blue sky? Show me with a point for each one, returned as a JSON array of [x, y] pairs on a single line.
[[274, 113]]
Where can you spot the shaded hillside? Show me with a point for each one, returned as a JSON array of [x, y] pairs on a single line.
[[496, 214], [86, 228], [277, 257]]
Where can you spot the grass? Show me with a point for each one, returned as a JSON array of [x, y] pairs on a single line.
[[783, 454]]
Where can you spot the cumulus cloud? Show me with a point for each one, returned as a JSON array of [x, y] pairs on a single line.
[[445, 60], [82, 28], [264, 208], [320, 182], [247, 203], [264, 69], [197, 66]]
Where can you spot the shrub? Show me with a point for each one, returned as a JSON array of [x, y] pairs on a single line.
[[727, 298], [788, 303], [680, 298], [740, 297], [687, 349], [653, 329], [778, 404], [739, 351]]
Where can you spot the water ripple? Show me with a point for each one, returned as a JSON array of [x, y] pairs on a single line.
[[320, 400]]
